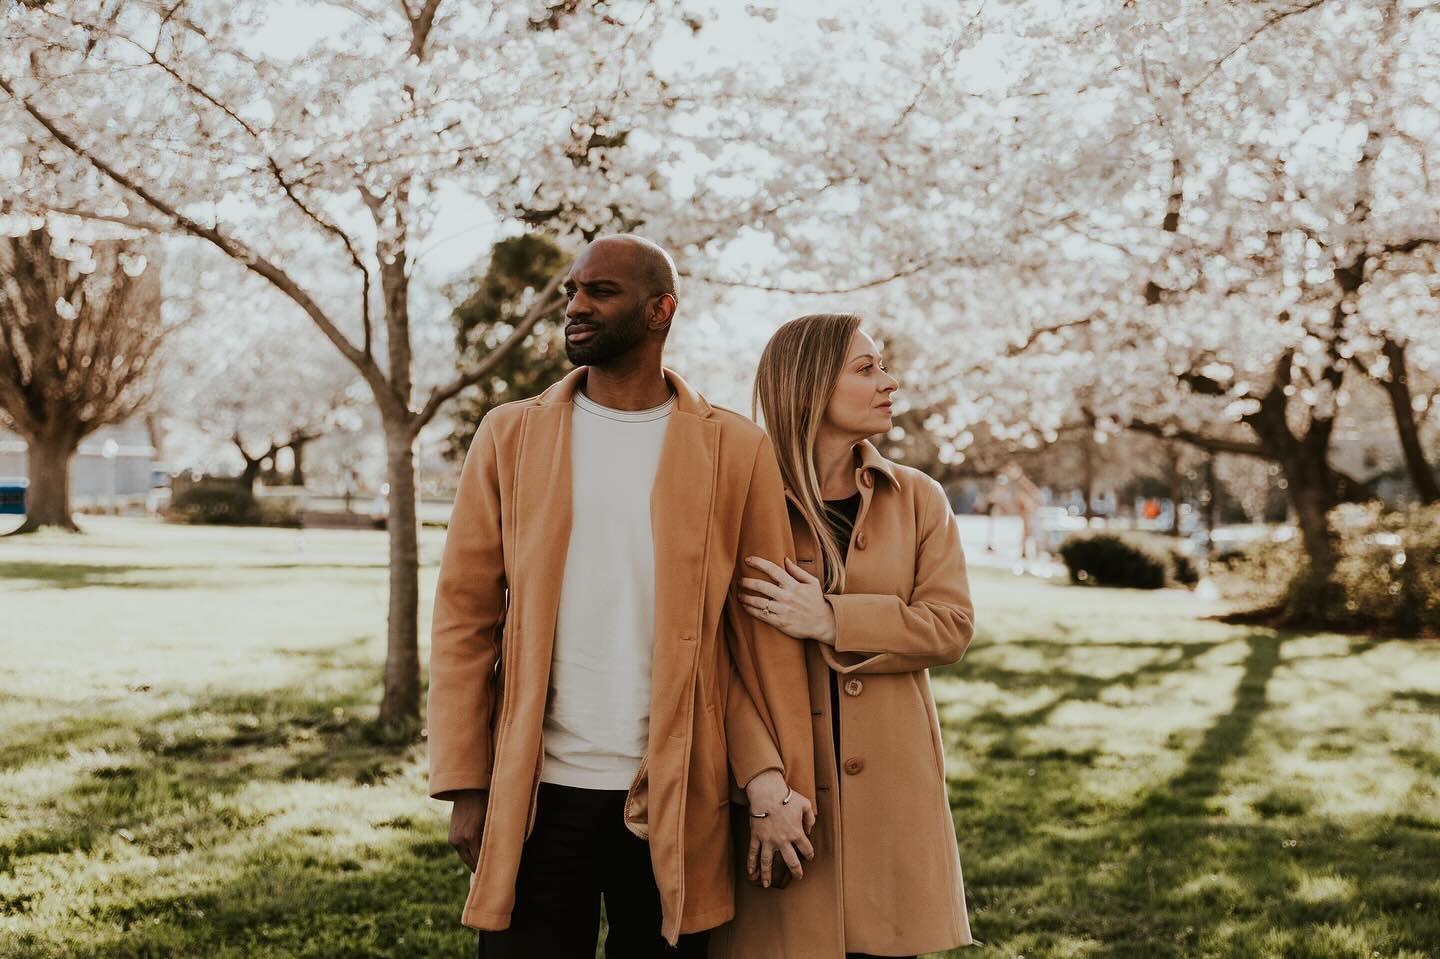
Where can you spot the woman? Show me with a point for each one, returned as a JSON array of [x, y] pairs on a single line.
[[880, 592]]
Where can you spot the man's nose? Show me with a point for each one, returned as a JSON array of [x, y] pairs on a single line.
[[577, 308]]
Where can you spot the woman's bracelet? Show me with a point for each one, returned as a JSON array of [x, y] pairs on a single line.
[[789, 793]]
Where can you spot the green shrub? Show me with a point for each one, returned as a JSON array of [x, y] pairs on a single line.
[[1130, 559], [1387, 575], [277, 512], [1182, 569], [1259, 574], [215, 503], [1106, 559]]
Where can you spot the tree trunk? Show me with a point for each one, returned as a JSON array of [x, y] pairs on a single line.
[[47, 500], [1314, 489], [1087, 472], [251, 473], [1314, 593], [1212, 501], [1397, 388], [1176, 484], [400, 705], [297, 466]]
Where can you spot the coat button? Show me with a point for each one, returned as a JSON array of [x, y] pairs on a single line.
[[853, 687], [853, 766], [860, 541]]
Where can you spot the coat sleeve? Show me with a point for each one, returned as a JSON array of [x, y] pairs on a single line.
[[882, 633], [767, 710], [470, 602]]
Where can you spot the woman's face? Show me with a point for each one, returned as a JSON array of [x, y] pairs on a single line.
[[860, 405]]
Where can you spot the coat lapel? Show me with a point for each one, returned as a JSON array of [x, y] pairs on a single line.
[[680, 522], [543, 510]]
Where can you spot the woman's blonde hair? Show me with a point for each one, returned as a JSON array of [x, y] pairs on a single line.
[[793, 385]]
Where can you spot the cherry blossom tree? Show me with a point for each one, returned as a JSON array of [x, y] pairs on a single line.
[[1256, 236], [1190, 218], [81, 333], [328, 170], [325, 172]]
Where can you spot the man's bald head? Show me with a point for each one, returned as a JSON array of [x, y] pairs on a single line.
[[654, 268], [621, 297]]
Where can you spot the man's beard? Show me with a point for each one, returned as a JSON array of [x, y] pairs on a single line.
[[609, 341]]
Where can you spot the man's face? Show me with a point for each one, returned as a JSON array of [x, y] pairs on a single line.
[[605, 315]]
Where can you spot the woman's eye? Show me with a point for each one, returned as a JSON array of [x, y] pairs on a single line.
[[866, 368]]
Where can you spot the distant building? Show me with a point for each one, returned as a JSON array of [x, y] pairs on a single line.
[[93, 476]]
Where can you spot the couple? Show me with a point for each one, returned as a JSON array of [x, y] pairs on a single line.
[[642, 599]]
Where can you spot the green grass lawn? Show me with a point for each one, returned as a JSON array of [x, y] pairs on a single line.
[[185, 768]]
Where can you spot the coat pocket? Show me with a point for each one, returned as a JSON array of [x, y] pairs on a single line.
[[637, 801], [932, 719]]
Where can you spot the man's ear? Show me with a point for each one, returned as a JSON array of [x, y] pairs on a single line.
[[661, 311]]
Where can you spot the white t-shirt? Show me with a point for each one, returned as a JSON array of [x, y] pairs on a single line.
[[597, 718]]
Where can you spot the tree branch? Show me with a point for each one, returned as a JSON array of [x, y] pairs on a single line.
[[870, 284], [1214, 444], [230, 246], [545, 301], [286, 185], [420, 26], [1266, 24], [1018, 348]]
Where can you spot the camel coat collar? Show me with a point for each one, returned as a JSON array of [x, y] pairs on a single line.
[[562, 393], [872, 464]]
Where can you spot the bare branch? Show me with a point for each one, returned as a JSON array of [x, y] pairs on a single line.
[[870, 284], [128, 219], [229, 245], [420, 26], [1017, 349], [1214, 444], [1266, 24], [285, 184], [545, 301]]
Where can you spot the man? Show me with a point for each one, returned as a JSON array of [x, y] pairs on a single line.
[[588, 634]]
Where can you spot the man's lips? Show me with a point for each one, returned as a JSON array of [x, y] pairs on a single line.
[[578, 333]]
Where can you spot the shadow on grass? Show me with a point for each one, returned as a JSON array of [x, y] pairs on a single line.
[[293, 897], [169, 791], [1056, 869], [1200, 780], [1428, 702], [82, 575], [1078, 687], [38, 742]]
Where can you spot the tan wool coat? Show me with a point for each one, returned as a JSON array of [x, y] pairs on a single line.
[[886, 878], [717, 498]]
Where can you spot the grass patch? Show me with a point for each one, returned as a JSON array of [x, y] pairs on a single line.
[[194, 771]]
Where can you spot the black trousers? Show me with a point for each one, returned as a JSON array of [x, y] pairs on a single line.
[[580, 852]]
